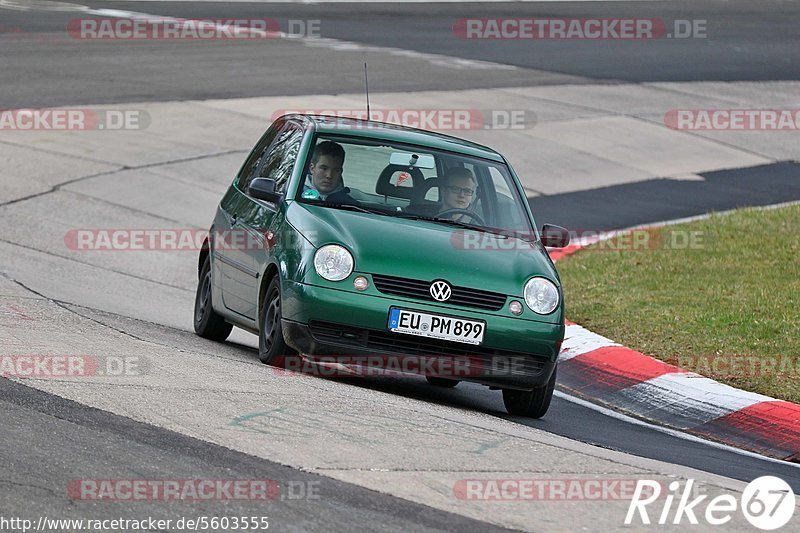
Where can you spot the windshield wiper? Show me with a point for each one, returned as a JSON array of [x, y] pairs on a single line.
[[493, 231], [351, 207], [445, 221]]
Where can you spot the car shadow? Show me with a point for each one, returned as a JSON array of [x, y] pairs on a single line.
[[465, 395]]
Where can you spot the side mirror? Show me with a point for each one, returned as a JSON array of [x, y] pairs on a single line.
[[264, 189], [554, 236]]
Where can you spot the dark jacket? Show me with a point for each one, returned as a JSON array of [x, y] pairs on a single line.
[[338, 196], [342, 196]]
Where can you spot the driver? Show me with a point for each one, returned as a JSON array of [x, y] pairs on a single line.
[[325, 179], [457, 189]]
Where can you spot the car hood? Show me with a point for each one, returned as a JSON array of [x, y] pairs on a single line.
[[425, 250]]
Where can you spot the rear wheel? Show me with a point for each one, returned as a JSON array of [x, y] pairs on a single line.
[[442, 382], [207, 323], [533, 403], [271, 345]]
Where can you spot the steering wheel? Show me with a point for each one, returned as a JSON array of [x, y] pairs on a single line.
[[474, 216]]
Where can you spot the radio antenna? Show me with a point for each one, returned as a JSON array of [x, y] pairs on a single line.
[[366, 84]]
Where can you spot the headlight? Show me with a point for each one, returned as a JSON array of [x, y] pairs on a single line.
[[333, 262], [541, 296]]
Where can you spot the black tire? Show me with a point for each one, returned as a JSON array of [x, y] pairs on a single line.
[[534, 403], [207, 323], [271, 345], [442, 382]]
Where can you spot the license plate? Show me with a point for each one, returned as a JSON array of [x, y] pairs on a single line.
[[436, 326]]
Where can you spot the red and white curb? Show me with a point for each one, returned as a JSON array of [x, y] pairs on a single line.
[[602, 371], [595, 368]]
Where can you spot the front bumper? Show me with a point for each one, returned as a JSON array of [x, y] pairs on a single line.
[[515, 354]]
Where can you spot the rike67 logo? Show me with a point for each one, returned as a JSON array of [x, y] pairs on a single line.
[[767, 503]]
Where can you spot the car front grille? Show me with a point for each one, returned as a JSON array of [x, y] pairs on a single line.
[[511, 363], [414, 288]]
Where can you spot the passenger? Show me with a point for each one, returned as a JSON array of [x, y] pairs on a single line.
[[325, 180]]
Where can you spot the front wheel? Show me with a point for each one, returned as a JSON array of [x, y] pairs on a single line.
[[207, 323], [271, 345], [532, 403]]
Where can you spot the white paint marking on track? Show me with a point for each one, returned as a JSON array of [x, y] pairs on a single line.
[[667, 431], [579, 340], [706, 216], [456, 63], [690, 395], [39, 5], [332, 44], [388, 1]]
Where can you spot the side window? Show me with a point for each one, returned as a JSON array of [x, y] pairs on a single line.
[[280, 160], [252, 164], [500, 184], [509, 213]]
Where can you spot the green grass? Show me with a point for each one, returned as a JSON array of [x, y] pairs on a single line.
[[732, 296]]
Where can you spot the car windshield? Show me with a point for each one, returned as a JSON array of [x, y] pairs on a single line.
[[404, 181]]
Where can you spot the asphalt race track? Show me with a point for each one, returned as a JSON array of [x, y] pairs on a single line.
[[749, 41], [377, 455]]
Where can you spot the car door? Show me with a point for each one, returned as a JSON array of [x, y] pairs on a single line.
[[250, 218], [233, 272]]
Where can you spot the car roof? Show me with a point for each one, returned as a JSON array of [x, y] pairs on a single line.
[[372, 129]]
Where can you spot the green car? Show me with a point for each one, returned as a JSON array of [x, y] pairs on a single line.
[[381, 244]]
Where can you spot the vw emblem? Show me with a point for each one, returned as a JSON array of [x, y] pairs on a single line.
[[440, 290]]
